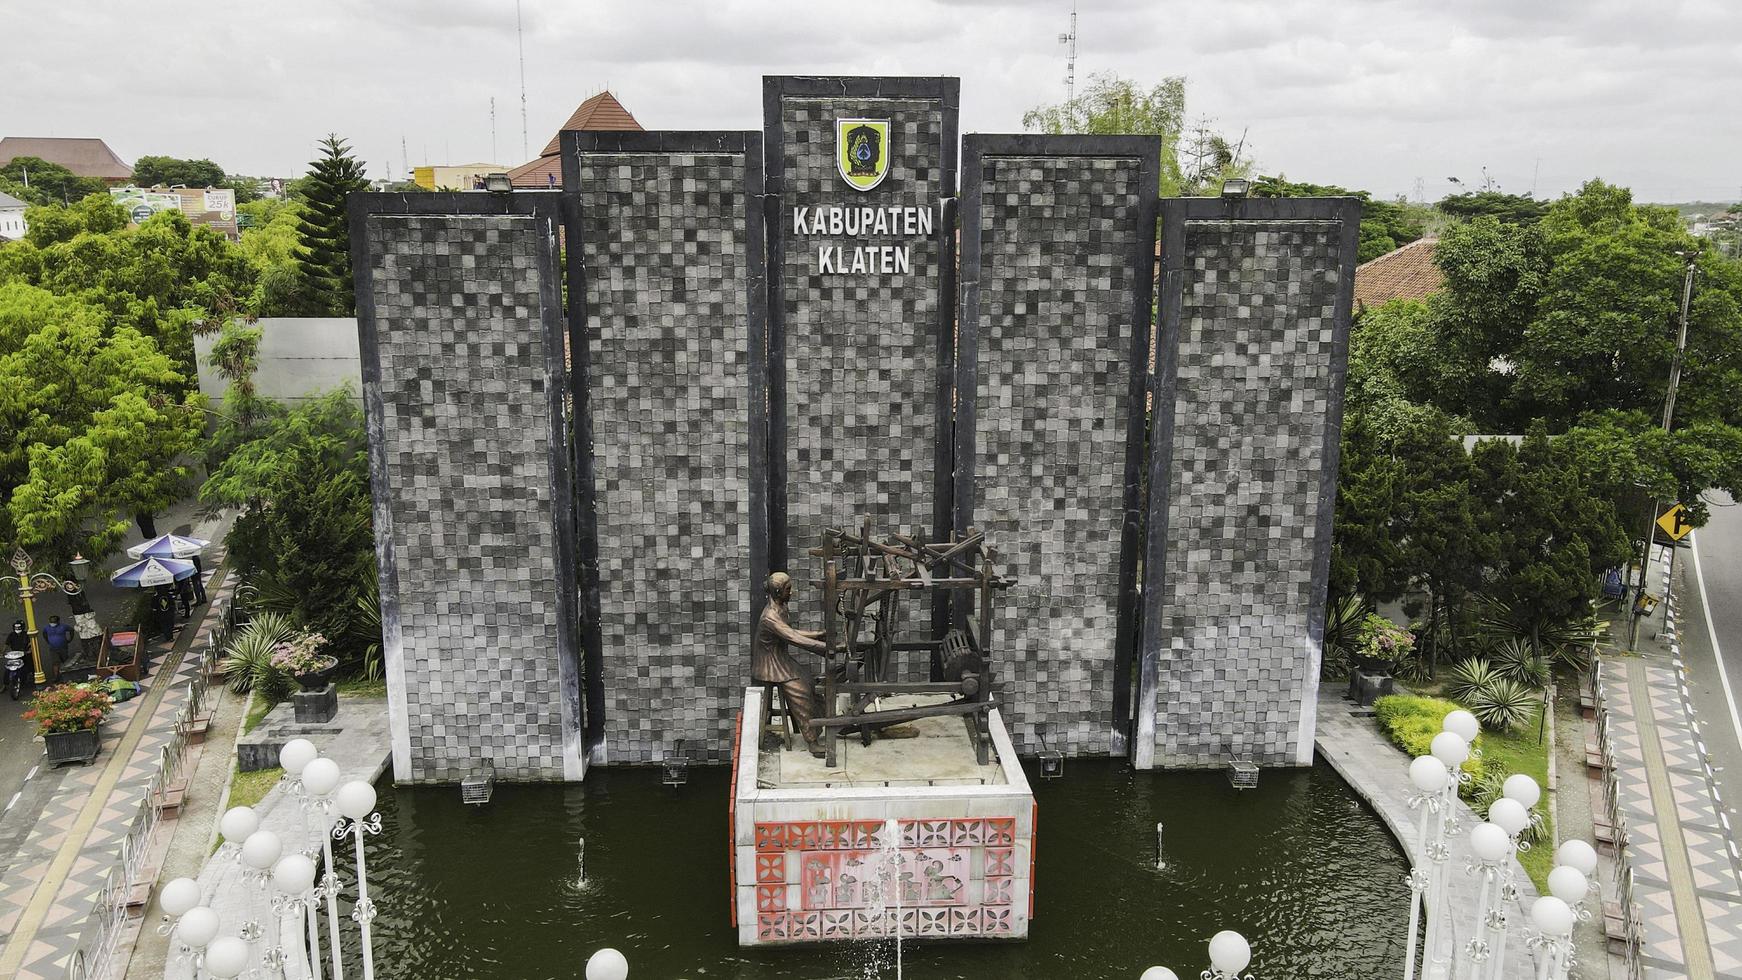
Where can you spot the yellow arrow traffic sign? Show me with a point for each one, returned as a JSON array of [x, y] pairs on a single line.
[[1675, 522]]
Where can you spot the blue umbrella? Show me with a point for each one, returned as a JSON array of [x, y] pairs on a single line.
[[152, 572], [168, 546]]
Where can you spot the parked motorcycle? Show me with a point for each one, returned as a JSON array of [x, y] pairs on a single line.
[[15, 673]]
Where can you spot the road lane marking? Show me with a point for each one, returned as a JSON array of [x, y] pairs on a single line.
[[1712, 633]]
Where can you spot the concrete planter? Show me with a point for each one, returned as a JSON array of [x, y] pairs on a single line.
[[65, 747]]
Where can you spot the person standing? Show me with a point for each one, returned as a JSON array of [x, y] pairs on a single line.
[[84, 622], [770, 663], [57, 638], [199, 581]]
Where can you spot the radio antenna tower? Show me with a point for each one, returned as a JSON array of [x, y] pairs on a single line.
[[1070, 41], [520, 38], [494, 156]]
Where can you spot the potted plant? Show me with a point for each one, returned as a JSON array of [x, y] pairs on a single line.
[[1380, 645], [301, 657], [68, 717]]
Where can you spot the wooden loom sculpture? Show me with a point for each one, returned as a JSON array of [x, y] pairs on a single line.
[[863, 584]]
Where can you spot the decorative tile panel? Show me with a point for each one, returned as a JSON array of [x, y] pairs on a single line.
[[663, 237]]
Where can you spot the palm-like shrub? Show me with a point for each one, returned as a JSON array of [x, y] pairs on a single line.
[[247, 664], [1503, 704], [1515, 661], [1467, 677]]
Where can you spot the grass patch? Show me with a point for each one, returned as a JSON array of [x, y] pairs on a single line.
[[362, 687], [249, 788], [257, 709], [1411, 722], [1519, 751]]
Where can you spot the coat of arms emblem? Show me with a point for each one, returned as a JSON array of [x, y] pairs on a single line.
[[862, 151]]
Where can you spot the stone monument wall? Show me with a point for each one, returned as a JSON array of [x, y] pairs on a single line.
[[859, 361], [1058, 258], [665, 250], [460, 323], [1254, 303]]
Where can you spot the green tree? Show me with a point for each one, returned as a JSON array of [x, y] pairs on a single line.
[[1385, 225], [303, 532], [164, 278], [1110, 105], [150, 171], [95, 420], [48, 183], [272, 241], [326, 246], [1512, 209]]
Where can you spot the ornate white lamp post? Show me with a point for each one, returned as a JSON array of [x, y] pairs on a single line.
[[320, 776], [356, 800], [1491, 847], [1451, 748], [1553, 919], [1430, 777]]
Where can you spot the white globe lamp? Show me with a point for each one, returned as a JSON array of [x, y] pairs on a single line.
[[1522, 788], [179, 896], [1428, 774], [1552, 916], [198, 926], [226, 958], [1568, 884], [1510, 815], [1463, 724], [1450, 748], [294, 874], [1576, 853], [238, 822], [607, 964], [355, 799], [261, 850], [296, 755], [1490, 842], [320, 777], [1159, 973], [1229, 951]]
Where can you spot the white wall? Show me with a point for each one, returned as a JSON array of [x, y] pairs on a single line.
[[300, 357], [12, 224]]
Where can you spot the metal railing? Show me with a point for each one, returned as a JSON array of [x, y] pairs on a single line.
[[97, 956], [1632, 930]]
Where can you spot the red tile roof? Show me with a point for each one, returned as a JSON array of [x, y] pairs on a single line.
[[84, 156], [1406, 273], [601, 112]]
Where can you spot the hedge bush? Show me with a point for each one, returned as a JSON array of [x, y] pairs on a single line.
[[1411, 722]]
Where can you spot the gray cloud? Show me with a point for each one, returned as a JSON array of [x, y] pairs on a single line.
[[1366, 93]]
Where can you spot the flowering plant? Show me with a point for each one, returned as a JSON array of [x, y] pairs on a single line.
[[69, 708], [1382, 639], [301, 654]]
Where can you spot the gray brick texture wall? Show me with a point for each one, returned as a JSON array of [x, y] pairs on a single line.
[[663, 238], [1054, 338], [1252, 403], [468, 438]]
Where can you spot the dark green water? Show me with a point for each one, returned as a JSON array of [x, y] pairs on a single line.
[[1299, 865]]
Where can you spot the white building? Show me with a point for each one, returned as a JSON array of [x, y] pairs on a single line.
[[12, 226]]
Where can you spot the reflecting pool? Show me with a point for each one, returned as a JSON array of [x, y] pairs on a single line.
[[1300, 865]]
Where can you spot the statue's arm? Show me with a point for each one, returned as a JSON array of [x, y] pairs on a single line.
[[796, 637]]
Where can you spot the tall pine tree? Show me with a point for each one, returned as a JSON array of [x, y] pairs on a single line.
[[326, 246]]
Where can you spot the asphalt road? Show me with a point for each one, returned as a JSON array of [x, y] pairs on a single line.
[[1710, 604]]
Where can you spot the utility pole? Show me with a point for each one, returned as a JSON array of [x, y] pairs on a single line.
[[1069, 39], [520, 38], [1675, 377]]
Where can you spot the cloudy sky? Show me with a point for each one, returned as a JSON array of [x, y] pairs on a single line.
[[1370, 94]]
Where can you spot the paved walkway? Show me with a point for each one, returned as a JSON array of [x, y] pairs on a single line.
[[1351, 742], [1687, 870], [64, 835]]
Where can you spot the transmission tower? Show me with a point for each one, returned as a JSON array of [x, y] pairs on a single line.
[[1069, 39]]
